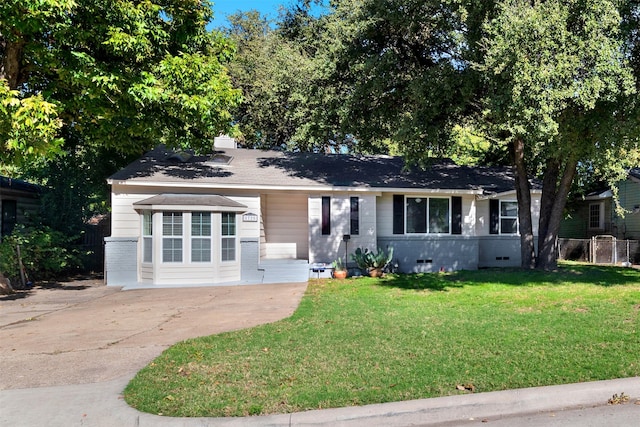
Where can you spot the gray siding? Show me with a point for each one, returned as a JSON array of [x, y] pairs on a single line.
[[628, 227], [427, 254], [121, 261], [499, 251]]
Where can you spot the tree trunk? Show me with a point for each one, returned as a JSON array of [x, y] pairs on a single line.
[[11, 61], [547, 253], [549, 191], [523, 192]]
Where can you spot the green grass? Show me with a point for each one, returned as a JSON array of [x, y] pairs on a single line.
[[363, 341]]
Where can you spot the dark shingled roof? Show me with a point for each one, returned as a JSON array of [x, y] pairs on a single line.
[[18, 185], [256, 168], [635, 172]]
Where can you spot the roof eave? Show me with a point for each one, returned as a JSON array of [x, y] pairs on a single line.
[[500, 194], [309, 188]]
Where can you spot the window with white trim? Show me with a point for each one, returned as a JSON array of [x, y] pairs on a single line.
[[228, 234], [200, 237], [172, 237], [428, 215], [596, 216], [508, 217], [147, 236]]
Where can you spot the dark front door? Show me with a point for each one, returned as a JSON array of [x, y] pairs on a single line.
[[9, 216]]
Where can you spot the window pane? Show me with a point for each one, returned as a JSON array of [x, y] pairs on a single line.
[[201, 250], [438, 215], [147, 239], [594, 216], [228, 224], [147, 249], [416, 215], [171, 250], [509, 209], [201, 224], [172, 224], [509, 226], [228, 249], [147, 223]]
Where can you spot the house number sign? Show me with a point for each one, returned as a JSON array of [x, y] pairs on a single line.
[[250, 217]]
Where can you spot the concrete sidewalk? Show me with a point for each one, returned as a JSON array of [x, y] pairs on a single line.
[[67, 352], [101, 404]]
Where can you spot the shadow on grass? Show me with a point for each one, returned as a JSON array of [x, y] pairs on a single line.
[[598, 275], [421, 281]]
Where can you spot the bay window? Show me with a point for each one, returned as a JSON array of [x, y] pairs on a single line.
[[228, 232], [172, 237], [201, 237], [147, 236]]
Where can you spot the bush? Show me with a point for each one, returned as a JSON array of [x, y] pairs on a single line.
[[367, 260], [45, 253]]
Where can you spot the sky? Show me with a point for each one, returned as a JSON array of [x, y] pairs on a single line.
[[223, 8]]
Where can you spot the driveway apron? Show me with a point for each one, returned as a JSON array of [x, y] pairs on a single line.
[[84, 332]]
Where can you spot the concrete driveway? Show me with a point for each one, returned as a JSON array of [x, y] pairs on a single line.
[[84, 332]]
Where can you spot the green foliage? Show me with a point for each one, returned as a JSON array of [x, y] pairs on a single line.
[[45, 253], [286, 72], [366, 259], [273, 74], [547, 66], [29, 126], [74, 186], [121, 76], [338, 265]]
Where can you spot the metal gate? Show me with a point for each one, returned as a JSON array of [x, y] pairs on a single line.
[[600, 250]]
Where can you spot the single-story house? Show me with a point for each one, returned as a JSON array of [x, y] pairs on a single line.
[[252, 216], [595, 214], [18, 200]]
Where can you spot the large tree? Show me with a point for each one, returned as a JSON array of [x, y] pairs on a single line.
[[556, 79], [118, 75], [286, 70], [273, 74], [547, 80]]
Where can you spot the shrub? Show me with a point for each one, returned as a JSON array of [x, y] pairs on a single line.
[[367, 260], [45, 253]]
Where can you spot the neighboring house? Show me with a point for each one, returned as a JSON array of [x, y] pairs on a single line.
[[18, 200], [595, 215], [250, 216]]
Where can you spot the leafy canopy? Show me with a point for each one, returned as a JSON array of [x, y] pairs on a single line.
[[122, 75]]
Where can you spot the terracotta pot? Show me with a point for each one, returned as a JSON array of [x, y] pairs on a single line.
[[339, 274], [375, 272]]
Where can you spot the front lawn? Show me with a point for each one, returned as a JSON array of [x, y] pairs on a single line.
[[362, 341]]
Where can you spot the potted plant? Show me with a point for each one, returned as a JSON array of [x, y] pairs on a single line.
[[339, 270], [373, 263]]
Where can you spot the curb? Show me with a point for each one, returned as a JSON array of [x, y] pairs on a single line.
[[449, 410]]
